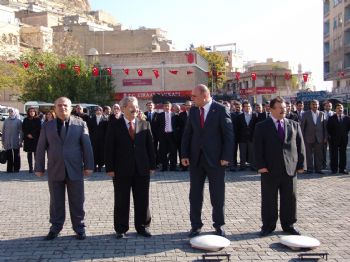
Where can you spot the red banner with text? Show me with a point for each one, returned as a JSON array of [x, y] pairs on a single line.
[[149, 95], [258, 91]]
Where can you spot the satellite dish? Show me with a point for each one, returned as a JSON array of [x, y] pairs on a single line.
[[93, 51]]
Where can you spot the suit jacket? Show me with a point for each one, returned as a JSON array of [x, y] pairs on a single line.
[[314, 133], [124, 156], [182, 120], [161, 123], [154, 124], [215, 140], [244, 132], [292, 116], [69, 156], [300, 115], [338, 132], [97, 132], [276, 156]]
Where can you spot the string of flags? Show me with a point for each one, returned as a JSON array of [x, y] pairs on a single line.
[[95, 71], [287, 76]]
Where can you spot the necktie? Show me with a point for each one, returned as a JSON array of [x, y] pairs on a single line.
[[131, 131], [339, 119], [202, 117], [167, 122], [63, 130], [280, 131], [268, 114]]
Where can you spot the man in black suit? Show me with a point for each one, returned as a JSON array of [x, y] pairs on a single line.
[[151, 117], [300, 110], [167, 142], [279, 155], [266, 113], [79, 111], [289, 114], [183, 116], [97, 129], [338, 126], [245, 125], [206, 147], [130, 160], [234, 114]]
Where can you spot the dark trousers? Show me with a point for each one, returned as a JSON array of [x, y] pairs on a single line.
[[13, 160], [139, 185], [270, 185], [235, 149], [75, 190], [168, 150], [98, 150], [314, 156], [246, 154], [324, 163], [30, 160], [216, 177], [338, 156]]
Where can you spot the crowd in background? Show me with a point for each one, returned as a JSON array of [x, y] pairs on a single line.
[[319, 129]]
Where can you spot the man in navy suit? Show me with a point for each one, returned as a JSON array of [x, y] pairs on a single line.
[[206, 148], [279, 155]]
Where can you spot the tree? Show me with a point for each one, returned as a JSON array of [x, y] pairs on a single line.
[[12, 75], [50, 76], [217, 67]]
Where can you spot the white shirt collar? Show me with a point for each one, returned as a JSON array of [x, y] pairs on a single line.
[[127, 122], [208, 105]]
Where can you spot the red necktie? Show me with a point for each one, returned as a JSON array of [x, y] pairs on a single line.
[[202, 117], [131, 131]]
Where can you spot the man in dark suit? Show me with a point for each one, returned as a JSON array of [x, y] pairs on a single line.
[[327, 106], [289, 114], [245, 125], [151, 117], [97, 129], [70, 158], [234, 114], [338, 126], [130, 160], [206, 147], [167, 137], [279, 155], [183, 116], [300, 110], [313, 126], [266, 113], [79, 111]]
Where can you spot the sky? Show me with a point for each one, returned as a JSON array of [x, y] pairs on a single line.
[[285, 30]]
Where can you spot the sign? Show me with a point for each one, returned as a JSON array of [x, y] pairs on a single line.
[[308, 96], [149, 95], [137, 82], [258, 91]]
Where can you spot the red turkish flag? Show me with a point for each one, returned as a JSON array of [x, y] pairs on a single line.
[[253, 75], [190, 58], [189, 72], [62, 66], [41, 65], [238, 76], [126, 71], [95, 71], [109, 71], [287, 76], [25, 65], [305, 77], [139, 72], [156, 73], [341, 74], [174, 72], [77, 69]]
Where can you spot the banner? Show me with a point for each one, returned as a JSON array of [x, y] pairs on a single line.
[[149, 95], [258, 91], [137, 82]]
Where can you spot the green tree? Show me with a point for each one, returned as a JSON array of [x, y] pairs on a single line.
[[51, 76], [12, 75], [217, 67]]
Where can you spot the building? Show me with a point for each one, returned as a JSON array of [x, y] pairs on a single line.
[[9, 34], [336, 45], [147, 74], [263, 81]]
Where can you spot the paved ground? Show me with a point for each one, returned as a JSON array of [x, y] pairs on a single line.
[[323, 212]]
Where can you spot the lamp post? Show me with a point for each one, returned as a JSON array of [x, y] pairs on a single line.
[[163, 80]]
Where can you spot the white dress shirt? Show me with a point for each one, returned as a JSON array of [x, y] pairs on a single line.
[[206, 108], [127, 123], [168, 125], [314, 116]]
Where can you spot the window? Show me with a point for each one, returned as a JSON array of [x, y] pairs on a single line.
[[326, 67], [334, 23], [336, 2], [326, 28], [326, 48]]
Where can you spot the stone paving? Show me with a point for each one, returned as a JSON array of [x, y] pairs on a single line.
[[323, 212]]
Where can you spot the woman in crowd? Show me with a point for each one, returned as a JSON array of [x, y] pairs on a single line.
[[31, 130], [50, 116], [12, 138]]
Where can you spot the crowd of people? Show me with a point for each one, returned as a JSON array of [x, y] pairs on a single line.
[[277, 139]]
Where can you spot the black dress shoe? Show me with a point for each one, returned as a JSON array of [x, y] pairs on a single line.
[[194, 232], [119, 235], [265, 232], [145, 232], [220, 232], [291, 230], [80, 236], [51, 235], [344, 172]]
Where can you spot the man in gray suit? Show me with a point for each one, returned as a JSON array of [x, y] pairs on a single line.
[[314, 128], [280, 153], [70, 158]]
